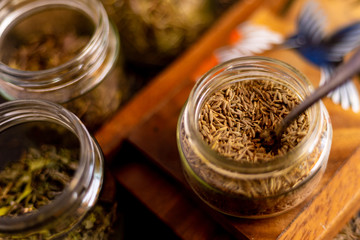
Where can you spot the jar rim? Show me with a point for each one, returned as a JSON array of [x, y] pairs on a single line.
[[17, 112], [49, 79], [202, 88]]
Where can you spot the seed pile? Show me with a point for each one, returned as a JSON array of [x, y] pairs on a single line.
[[232, 119]]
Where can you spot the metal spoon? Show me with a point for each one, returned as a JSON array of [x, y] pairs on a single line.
[[271, 139]]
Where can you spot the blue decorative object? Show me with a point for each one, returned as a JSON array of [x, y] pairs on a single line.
[[326, 51]]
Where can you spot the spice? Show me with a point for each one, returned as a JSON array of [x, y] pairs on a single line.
[[51, 174], [155, 32], [351, 230], [41, 159], [46, 39], [232, 119], [100, 103], [47, 51], [50, 50], [96, 225], [37, 178], [70, 56]]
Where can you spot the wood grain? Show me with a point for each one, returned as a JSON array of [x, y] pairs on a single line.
[[168, 202], [321, 221], [163, 152], [149, 123]]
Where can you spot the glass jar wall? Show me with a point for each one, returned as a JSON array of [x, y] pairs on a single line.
[[153, 33], [243, 184], [51, 173], [63, 51]]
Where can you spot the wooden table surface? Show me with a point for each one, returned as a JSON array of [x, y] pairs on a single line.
[[148, 124]]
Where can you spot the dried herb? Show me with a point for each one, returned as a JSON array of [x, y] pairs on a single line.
[[48, 50], [37, 178], [155, 32], [97, 224], [55, 36], [100, 103]]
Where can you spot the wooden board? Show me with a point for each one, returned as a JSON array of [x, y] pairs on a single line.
[[149, 123], [168, 82]]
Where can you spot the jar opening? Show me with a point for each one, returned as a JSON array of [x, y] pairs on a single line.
[[41, 158], [82, 31], [32, 44], [56, 155], [249, 69]]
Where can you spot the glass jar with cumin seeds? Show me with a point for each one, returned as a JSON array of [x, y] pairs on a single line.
[[65, 51], [51, 175], [219, 138]]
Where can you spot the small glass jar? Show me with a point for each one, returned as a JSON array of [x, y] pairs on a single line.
[[65, 51], [253, 190], [51, 173], [153, 33]]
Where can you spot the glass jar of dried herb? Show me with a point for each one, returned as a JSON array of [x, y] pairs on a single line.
[[65, 51], [51, 174], [153, 33], [220, 146]]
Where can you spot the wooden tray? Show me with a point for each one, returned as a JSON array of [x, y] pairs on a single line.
[[148, 122]]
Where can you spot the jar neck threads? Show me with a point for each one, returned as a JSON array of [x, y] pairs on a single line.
[[247, 69], [81, 73], [82, 191]]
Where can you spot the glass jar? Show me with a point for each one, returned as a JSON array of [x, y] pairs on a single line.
[[253, 190], [51, 174], [65, 51], [153, 33]]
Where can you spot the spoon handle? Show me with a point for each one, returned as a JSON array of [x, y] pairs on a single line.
[[342, 74]]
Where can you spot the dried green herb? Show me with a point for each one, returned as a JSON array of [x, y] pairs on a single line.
[[97, 224], [37, 178], [100, 103], [155, 32]]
